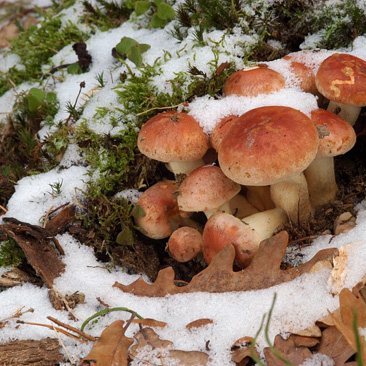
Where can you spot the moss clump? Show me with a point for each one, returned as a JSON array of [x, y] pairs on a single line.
[[11, 254], [35, 46], [106, 14], [20, 151]]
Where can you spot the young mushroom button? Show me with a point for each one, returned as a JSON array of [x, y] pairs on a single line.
[[207, 189], [222, 229], [272, 146], [341, 78], [174, 138], [161, 211]]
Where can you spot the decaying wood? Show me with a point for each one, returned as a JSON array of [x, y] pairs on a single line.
[[58, 223], [45, 352], [35, 243], [263, 272]]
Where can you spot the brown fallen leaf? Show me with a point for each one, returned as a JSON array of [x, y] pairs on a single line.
[[241, 352], [198, 323], [163, 351], [263, 272], [287, 348], [150, 322], [111, 349], [334, 345], [348, 304], [35, 242]]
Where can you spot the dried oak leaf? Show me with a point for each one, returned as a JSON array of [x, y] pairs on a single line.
[[162, 351], [287, 348], [111, 348], [263, 272], [349, 303], [334, 345], [241, 351]]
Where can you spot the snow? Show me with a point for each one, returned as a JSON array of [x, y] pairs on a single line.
[[237, 314]]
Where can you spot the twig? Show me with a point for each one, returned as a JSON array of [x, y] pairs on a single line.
[[46, 217], [158, 108], [62, 344], [73, 329], [52, 327], [3, 208], [305, 238]]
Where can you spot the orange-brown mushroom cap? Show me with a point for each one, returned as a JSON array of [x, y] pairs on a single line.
[[220, 130], [206, 188], [342, 78], [159, 203], [253, 81], [172, 136], [267, 145], [337, 136]]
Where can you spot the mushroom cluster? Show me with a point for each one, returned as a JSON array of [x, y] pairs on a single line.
[[272, 165]]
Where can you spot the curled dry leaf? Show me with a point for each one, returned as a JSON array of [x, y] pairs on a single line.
[[198, 323], [263, 272], [111, 348], [335, 346], [349, 303], [148, 340], [150, 322], [241, 352], [288, 349]]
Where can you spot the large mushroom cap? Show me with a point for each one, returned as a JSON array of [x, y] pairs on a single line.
[[342, 78], [172, 136], [267, 145], [253, 81], [338, 136], [206, 188]]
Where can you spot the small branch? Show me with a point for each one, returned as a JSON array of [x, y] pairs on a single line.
[[73, 329], [52, 328], [158, 108], [305, 238]]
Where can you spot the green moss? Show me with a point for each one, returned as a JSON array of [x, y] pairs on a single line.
[[21, 152], [106, 15], [10, 254], [35, 46]]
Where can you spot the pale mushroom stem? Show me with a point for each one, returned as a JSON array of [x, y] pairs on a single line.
[[184, 167], [292, 196], [266, 223], [321, 180], [348, 113], [260, 197], [223, 208]]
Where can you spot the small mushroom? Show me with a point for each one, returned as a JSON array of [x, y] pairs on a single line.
[[336, 138], [341, 78], [222, 229], [185, 244], [175, 138], [207, 189]]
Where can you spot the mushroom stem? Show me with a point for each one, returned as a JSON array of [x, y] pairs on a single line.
[[225, 207], [292, 196], [348, 113], [260, 197], [184, 167], [321, 181], [266, 223]]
